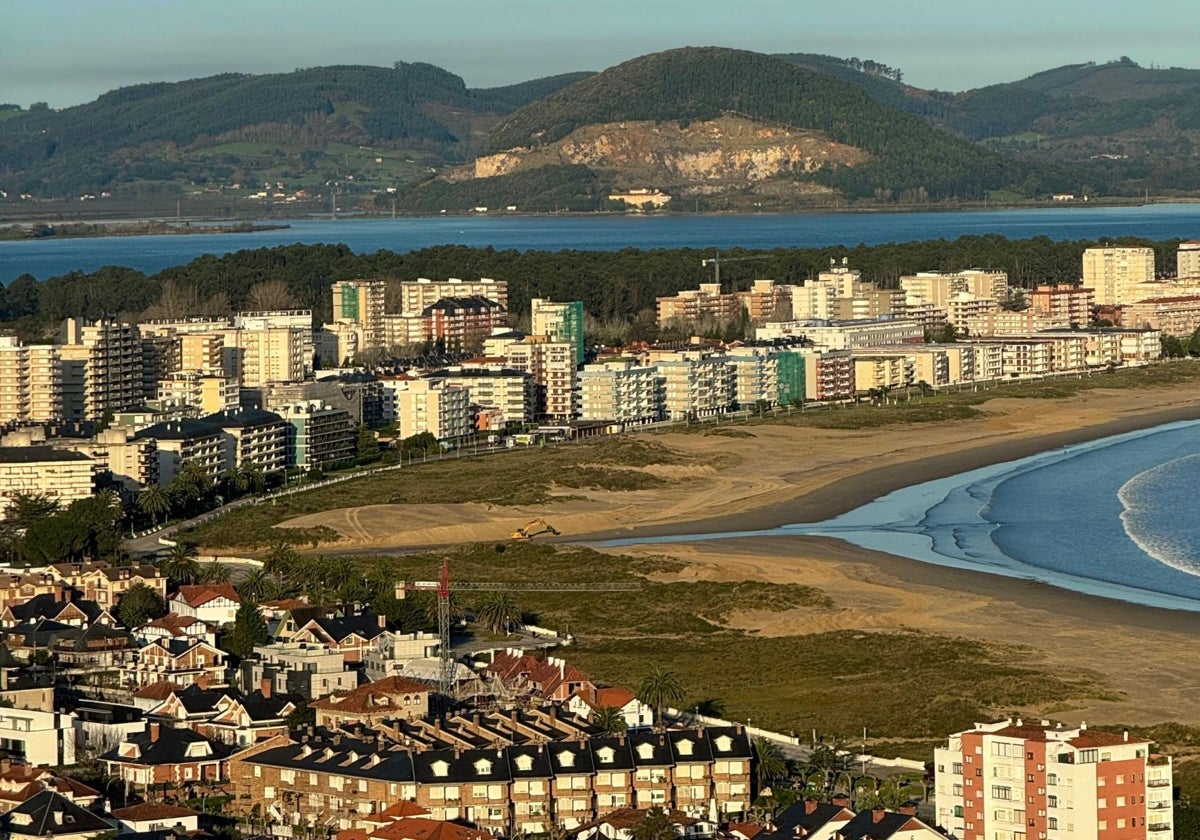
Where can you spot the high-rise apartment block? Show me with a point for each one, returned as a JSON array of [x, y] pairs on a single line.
[[938, 287], [57, 474], [320, 434], [1114, 273], [362, 303], [101, 368], [550, 363], [30, 383], [1070, 304], [560, 321], [1187, 260], [623, 390], [433, 406], [416, 295], [1044, 782]]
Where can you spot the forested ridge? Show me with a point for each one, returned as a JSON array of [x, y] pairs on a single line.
[[612, 284]]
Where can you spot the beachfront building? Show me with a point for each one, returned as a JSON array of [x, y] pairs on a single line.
[[1016, 779], [550, 363], [1115, 272], [1069, 304], [622, 390], [695, 383], [1178, 316], [828, 374], [846, 335], [560, 321]]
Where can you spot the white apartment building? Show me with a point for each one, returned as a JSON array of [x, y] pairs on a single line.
[[846, 335], [622, 390], [290, 319], [101, 368], [511, 392], [695, 384], [1112, 272], [253, 436], [433, 406], [180, 442], [552, 366], [320, 434], [260, 357], [130, 460], [938, 287], [30, 382], [755, 376], [1187, 260], [1016, 779], [416, 295], [814, 301], [58, 474], [205, 393], [964, 307]]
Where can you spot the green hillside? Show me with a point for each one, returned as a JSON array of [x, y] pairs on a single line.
[[908, 155]]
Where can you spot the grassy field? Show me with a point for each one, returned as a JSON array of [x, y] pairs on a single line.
[[905, 685], [518, 478]]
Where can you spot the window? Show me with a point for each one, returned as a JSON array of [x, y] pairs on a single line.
[[1052, 823], [999, 792], [1101, 803], [1121, 822], [1120, 780], [1089, 756], [958, 810], [1120, 801], [1052, 801]]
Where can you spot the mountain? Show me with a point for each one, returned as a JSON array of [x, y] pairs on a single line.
[[1121, 127], [705, 122], [383, 125]]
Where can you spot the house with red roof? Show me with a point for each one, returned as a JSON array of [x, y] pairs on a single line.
[[212, 603], [182, 661], [153, 816], [586, 704], [175, 626], [393, 698], [551, 679]]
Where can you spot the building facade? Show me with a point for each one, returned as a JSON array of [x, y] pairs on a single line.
[[30, 383], [1114, 272]]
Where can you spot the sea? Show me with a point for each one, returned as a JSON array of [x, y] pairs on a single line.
[[44, 258], [1114, 517]]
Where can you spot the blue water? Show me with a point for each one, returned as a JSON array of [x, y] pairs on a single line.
[[1114, 517], [49, 258]]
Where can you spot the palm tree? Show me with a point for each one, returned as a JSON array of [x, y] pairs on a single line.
[[154, 501], [281, 560], [180, 564], [253, 587], [498, 613], [251, 476], [214, 572], [610, 719], [771, 763], [660, 687], [278, 590]]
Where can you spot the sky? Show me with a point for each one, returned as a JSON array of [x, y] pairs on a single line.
[[70, 51]]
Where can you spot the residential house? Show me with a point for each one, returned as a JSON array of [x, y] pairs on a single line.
[[391, 651], [384, 700], [49, 814], [352, 636], [20, 587], [621, 824], [175, 626], [212, 603], [105, 583], [299, 669], [636, 713], [73, 613], [811, 820], [180, 661], [550, 679], [243, 719], [155, 818], [162, 755], [20, 782], [881, 824]]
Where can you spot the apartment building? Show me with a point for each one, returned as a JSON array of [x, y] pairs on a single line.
[[846, 335], [1069, 304], [1178, 316], [205, 394], [938, 287], [814, 301], [999, 322], [129, 460], [320, 434], [253, 436], [930, 317], [561, 321], [338, 343], [1014, 778], [416, 295], [509, 392], [1116, 345], [766, 300], [288, 319], [261, 357], [362, 303], [623, 390], [101, 368], [828, 374], [1187, 259], [433, 406], [707, 303], [502, 774], [30, 382], [869, 303], [179, 442], [695, 383], [965, 307], [550, 363], [934, 364], [1113, 272], [881, 372], [755, 376], [57, 474], [299, 669]]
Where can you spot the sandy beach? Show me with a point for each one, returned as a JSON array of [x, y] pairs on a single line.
[[772, 475]]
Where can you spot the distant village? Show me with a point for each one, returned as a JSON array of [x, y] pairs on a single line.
[[235, 714]]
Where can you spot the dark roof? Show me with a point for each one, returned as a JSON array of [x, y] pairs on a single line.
[[170, 748], [102, 711], [244, 417], [37, 454], [265, 708], [199, 700], [51, 813], [470, 302], [651, 749], [366, 626], [393, 764], [690, 746], [185, 429], [461, 766], [612, 753], [796, 816], [728, 742], [47, 605], [864, 826], [538, 767], [571, 758]]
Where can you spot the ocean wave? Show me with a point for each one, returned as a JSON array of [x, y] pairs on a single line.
[[1153, 514]]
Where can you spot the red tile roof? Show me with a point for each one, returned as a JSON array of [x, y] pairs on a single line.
[[747, 830], [1092, 738], [546, 676], [372, 697], [616, 697], [201, 594], [403, 809], [174, 623], [419, 828], [152, 811], [160, 690]]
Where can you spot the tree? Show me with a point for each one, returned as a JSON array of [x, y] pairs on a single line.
[[154, 501], [248, 630], [139, 605], [281, 560], [214, 572], [368, 444], [658, 688], [253, 586], [771, 763], [656, 825], [610, 719], [26, 508], [498, 613], [180, 564]]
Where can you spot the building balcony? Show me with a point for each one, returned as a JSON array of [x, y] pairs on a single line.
[[1158, 783]]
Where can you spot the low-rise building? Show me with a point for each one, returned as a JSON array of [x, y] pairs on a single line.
[[1177, 316], [57, 474], [165, 755], [182, 442], [299, 669], [388, 699], [212, 603], [391, 652]]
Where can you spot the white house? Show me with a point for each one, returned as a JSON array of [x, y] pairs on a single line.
[[40, 738], [152, 816], [636, 713], [212, 603]]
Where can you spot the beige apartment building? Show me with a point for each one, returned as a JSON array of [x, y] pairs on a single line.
[[253, 436], [260, 357], [101, 368], [510, 392], [30, 382], [362, 303], [1068, 304], [707, 303], [550, 363], [57, 474], [623, 390], [204, 393], [130, 460], [938, 287], [202, 353], [1114, 272], [1178, 316], [1014, 778], [433, 406], [695, 383], [881, 371], [1187, 260], [289, 319], [964, 307], [417, 295], [766, 300], [814, 301], [936, 365]]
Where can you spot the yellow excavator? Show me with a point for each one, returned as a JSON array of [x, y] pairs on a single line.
[[534, 529]]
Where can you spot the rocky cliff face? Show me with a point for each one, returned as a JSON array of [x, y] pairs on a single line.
[[698, 157]]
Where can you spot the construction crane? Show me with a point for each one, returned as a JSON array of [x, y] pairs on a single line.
[[534, 529], [716, 262], [443, 587]]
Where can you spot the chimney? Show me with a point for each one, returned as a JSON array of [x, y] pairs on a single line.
[[841, 800], [909, 809], [154, 730], [265, 688], [1126, 734], [877, 814], [382, 622], [810, 805]]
